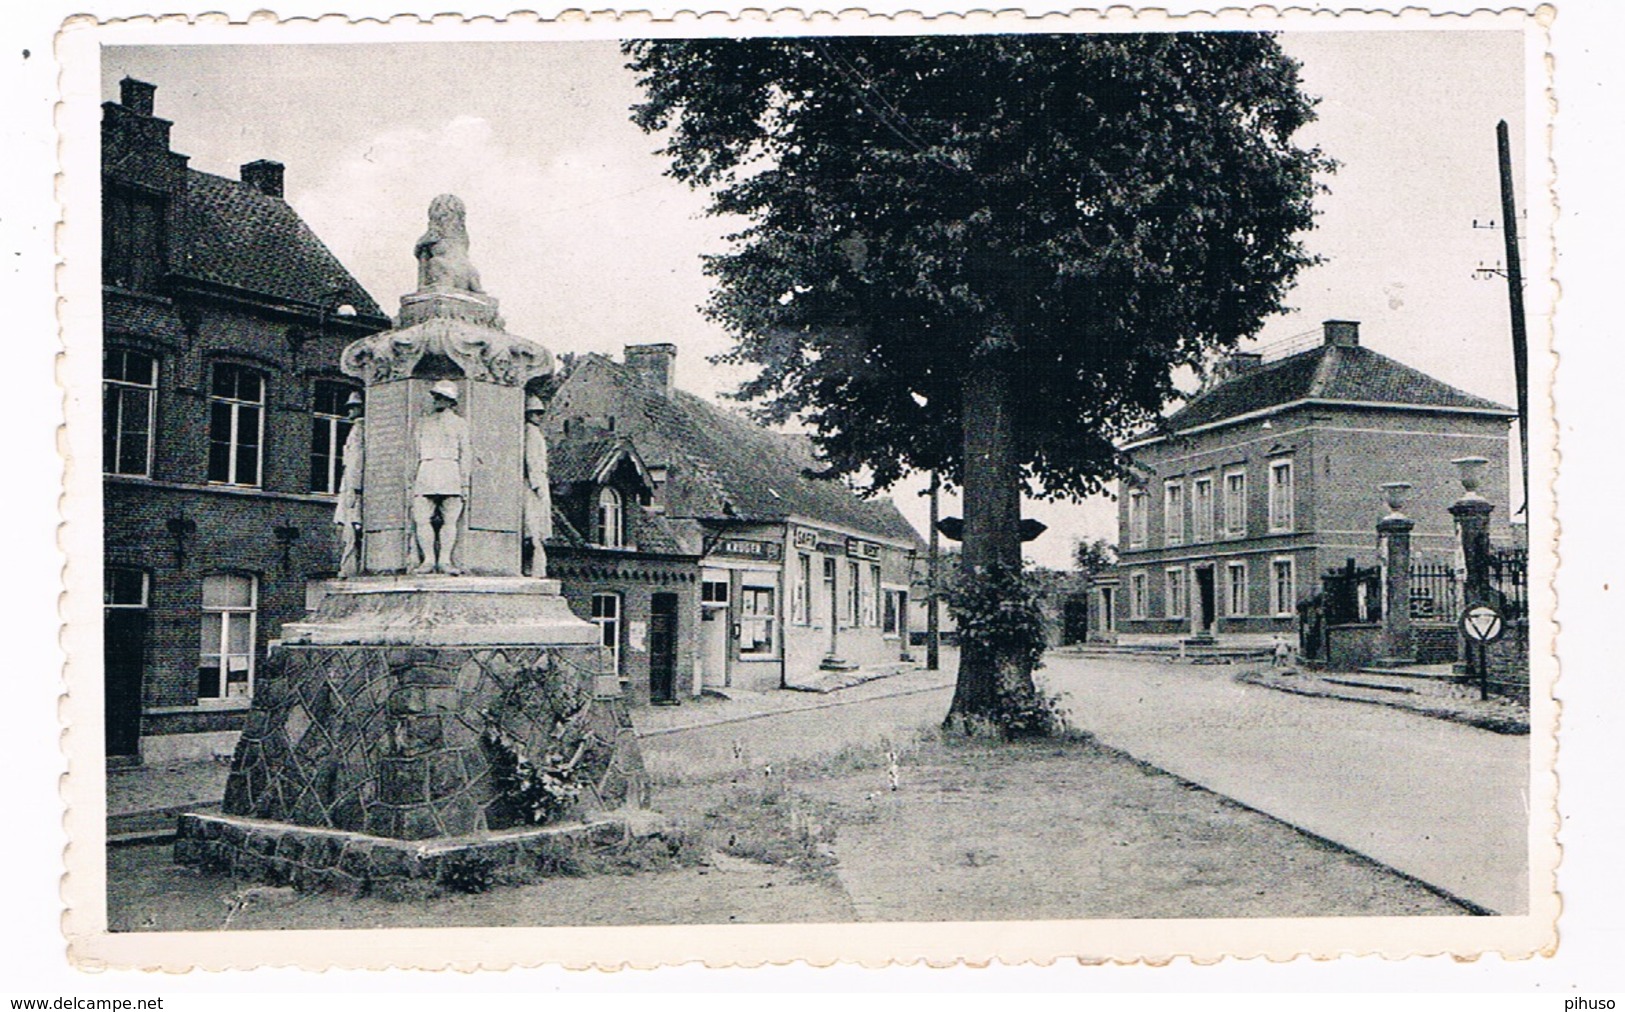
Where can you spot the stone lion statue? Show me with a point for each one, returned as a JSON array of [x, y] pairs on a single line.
[[443, 264]]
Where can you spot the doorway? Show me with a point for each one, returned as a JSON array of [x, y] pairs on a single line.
[[124, 654], [714, 619], [1206, 601], [834, 603], [663, 648]]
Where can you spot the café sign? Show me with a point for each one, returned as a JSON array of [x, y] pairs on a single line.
[[859, 549]]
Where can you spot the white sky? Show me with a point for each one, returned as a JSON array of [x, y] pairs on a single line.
[[590, 248]]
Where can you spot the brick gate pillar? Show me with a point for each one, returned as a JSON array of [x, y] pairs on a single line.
[[1472, 512], [1398, 642]]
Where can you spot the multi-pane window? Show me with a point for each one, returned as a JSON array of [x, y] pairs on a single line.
[[236, 424], [1235, 504], [609, 523], [1202, 509], [1283, 586], [606, 615], [1281, 495], [1174, 603], [1236, 589], [329, 428], [129, 405], [1138, 522], [1136, 595], [801, 607], [714, 592], [124, 587], [756, 620], [226, 647], [132, 241], [853, 592], [1173, 513]]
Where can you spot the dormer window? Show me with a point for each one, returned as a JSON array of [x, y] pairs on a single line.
[[609, 519]]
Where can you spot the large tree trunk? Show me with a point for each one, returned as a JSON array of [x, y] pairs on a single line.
[[992, 534]]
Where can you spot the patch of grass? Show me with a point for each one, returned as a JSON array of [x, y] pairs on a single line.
[[775, 825]]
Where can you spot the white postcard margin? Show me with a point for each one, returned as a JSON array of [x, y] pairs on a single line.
[[84, 920]]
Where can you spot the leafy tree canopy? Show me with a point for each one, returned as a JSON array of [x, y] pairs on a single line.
[[1085, 212]]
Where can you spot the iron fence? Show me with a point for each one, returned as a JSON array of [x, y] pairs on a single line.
[[1509, 578], [1435, 594]]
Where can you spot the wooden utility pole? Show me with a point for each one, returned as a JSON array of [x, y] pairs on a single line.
[[933, 630], [1520, 339]]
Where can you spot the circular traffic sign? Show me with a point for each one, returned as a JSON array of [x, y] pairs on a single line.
[[1482, 624]]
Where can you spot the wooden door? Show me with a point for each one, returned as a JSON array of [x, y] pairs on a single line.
[[663, 648]]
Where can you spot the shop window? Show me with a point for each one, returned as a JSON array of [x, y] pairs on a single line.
[[606, 615], [610, 522], [236, 424], [329, 428], [226, 646], [871, 598], [129, 406], [756, 621]]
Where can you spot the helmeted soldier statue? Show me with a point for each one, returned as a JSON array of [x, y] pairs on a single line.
[[347, 513], [444, 458], [538, 500]]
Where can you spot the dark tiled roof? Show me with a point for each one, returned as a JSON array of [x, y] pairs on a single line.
[[571, 459], [1329, 372], [236, 236], [650, 532], [726, 467]]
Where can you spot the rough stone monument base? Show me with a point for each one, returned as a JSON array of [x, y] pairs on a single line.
[[333, 860], [397, 727]]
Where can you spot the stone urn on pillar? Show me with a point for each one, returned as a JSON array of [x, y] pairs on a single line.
[[433, 694]]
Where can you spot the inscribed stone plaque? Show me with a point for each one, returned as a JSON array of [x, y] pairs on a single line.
[[385, 477], [495, 424]]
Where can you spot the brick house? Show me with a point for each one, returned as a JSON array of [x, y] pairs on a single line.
[[1270, 477], [794, 574], [631, 571], [223, 421]]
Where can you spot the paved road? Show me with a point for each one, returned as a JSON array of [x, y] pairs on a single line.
[[1445, 803]]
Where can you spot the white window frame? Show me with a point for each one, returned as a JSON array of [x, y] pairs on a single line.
[[1202, 519], [1173, 512], [609, 516], [1235, 520], [1281, 502], [1138, 589], [1230, 571], [750, 616], [236, 405], [609, 625], [1138, 518], [871, 597], [891, 619], [1175, 592], [231, 617], [122, 391], [1278, 607], [337, 426], [146, 588]]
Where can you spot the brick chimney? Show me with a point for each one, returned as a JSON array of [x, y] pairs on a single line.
[[655, 364], [136, 96], [1342, 333], [264, 176], [1242, 361]]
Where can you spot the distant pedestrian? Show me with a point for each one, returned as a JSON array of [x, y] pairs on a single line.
[[1282, 653]]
